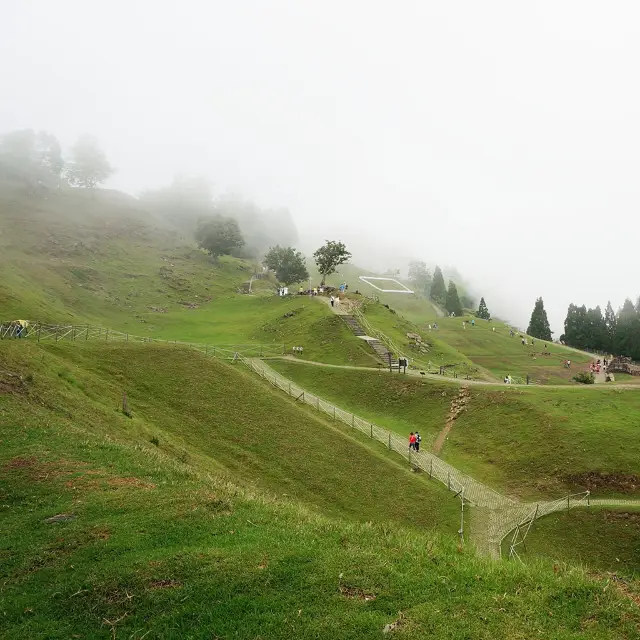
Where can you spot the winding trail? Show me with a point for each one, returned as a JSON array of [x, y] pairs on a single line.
[[494, 514]]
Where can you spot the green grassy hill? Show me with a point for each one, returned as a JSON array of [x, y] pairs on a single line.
[[221, 509], [601, 539], [530, 442]]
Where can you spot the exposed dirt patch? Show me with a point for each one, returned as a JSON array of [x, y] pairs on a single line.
[[130, 482], [622, 516], [38, 471], [623, 482], [622, 586], [458, 405], [165, 584], [12, 384]]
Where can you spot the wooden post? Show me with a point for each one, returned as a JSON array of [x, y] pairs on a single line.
[[38, 333], [431, 470], [106, 335], [86, 336], [334, 411], [289, 388], [73, 334], [206, 349], [353, 420], [126, 339], [371, 425], [568, 504], [449, 480], [317, 403], [389, 439]]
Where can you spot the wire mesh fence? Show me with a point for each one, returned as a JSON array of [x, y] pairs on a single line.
[[495, 516]]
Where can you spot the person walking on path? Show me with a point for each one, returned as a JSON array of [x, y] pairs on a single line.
[[332, 300], [418, 441], [412, 441]]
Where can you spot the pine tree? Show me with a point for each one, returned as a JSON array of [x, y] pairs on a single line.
[[452, 303], [438, 289], [539, 323], [482, 311], [610, 322]]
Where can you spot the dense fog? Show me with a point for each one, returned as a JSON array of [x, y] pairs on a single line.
[[496, 138]]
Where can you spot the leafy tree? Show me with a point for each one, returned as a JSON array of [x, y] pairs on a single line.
[[32, 158], [89, 166], [420, 276], [483, 312], [330, 256], [539, 323], [452, 303], [219, 236], [438, 291], [289, 265]]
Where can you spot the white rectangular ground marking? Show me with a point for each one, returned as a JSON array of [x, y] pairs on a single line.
[[400, 287]]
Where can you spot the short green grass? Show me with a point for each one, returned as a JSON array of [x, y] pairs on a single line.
[[601, 539], [222, 417], [531, 442], [168, 544], [502, 355]]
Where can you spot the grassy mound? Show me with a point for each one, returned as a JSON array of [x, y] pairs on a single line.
[[221, 417], [531, 442], [601, 539], [108, 535], [99, 258]]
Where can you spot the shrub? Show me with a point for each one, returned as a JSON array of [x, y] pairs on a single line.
[[584, 378]]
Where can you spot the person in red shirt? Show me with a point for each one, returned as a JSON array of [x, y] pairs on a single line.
[[412, 441]]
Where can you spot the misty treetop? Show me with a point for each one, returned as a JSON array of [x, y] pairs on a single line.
[[438, 292], [219, 236], [420, 276], [35, 159], [89, 165], [539, 324], [188, 200], [330, 256], [288, 264], [452, 302]]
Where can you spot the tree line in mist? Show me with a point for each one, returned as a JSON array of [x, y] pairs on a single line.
[[617, 333]]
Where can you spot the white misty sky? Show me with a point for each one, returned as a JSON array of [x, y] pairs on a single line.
[[501, 137]]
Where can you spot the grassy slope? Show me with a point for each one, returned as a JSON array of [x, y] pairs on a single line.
[[221, 417], [528, 442], [603, 539], [162, 549], [501, 354], [103, 260]]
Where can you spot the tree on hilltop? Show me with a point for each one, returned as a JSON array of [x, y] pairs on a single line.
[[539, 323], [219, 236], [33, 158], [330, 256], [482, 311], [420, 276], [452, 303], [288, 264], [89, 166], [610, 322], [438, 292]]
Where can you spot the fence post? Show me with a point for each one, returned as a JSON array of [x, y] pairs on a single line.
[[431, 470], [389, 439], [206, 349], [106, 335], [317, 403], [38, 333], [56, 334], [214, 352], [86, 336], [353, 420], [568, 505], [449, 480], [126, 339], [588, 499], [334, 411], [73, 334], [371, 425]]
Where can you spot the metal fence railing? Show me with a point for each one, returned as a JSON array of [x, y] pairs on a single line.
[[53, 332], [495, 515]]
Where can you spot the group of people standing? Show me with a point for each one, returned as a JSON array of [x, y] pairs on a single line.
[[414, 441]]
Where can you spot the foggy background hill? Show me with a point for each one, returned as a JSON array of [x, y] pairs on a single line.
[[496, 137]]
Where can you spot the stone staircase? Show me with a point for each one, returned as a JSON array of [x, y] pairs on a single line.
[[380, 349]]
